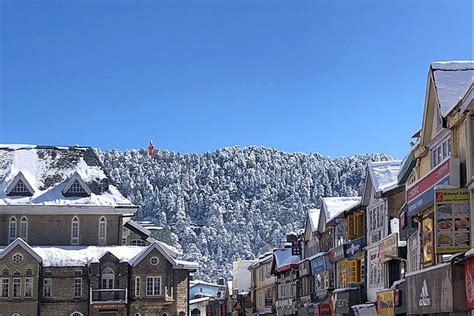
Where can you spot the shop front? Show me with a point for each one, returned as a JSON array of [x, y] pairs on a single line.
[[437, 290], [344, 299], [386, 303], [323, 272]]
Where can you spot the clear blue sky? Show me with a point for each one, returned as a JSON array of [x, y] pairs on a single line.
[[335, 77]]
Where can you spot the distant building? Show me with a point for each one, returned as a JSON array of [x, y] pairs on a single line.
[[263, 286]]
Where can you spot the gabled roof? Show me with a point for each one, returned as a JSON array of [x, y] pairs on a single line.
[[177, 264], [384, 174], [334, 206], [76, 177], [313, 218], [20, 242], [19, 177], [48, 170], [451, 79], [137, 229]]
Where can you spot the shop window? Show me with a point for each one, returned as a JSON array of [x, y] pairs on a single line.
[[355, 225]]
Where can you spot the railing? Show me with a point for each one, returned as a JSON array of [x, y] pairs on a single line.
[[108, 296]]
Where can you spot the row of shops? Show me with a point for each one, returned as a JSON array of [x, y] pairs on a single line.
[[403, 247]]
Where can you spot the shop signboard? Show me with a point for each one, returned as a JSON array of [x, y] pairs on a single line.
[[318, 265], [337, 253], [388, 247], [420, 194], [427, 236], [386, 303], [452, 221], [354, 246], [469, 279], [342, 302]]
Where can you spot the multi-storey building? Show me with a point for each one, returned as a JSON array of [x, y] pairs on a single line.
[[263, 285], [437, 195], [61, 225], [285, 268], [382, 198]]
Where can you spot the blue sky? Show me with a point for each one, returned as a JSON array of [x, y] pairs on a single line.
[[335, 77]]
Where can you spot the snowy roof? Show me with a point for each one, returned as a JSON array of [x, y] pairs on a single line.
[[450, 80], [313, 217], [200, 282], [137, 228], [48, 170], [284, 259], [333, 206], [73, 256], [384, 174]]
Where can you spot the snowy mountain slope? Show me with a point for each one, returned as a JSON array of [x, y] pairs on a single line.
[[234, 202]]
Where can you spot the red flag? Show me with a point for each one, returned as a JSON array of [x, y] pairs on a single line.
[[151, 150]]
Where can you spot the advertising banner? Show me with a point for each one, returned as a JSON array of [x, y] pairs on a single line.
[[452, 220], [469, 279], [420, 194], [388, 248], [427, 237], [385, 303]]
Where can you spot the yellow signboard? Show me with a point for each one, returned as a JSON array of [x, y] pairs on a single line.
[[452, 220], [386, 303]]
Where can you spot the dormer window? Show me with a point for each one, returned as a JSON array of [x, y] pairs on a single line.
[[20, 186], [76, 187]]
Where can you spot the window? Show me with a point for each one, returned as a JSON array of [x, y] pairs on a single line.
[[102, 231], [47, 287], [77, 287], [137, 242], [75, 231], [154, 261], [440, 152], [376, 220], [28, 287], [5, 287], [414, 253], [108, 278], [12, 229], [16, 287], [153, 286], [137, 286], [355, 225], [17, 258], [16, 314], [76, 188], [24, 228], [20, 189], [77, 314]]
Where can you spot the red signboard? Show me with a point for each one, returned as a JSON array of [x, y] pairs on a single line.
[[428, 181], [469, 279]]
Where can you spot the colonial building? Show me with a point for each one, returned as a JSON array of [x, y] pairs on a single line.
[[263, 286], [437, 194], [382, 198], [285, 268], [61, 223]]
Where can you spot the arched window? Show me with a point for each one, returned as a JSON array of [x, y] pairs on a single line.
[[108, 278], [75, 231], [16, 314], [102, 231], [12, 229], [77, 314], [24, 228]]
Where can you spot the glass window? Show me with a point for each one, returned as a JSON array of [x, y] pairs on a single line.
[[24, 228], [12, 229], [5, 287], [28, 287], [77, 287], [137, 286], [75, 231], [16, 287], [102, 231], [153, 286], [47, 287]]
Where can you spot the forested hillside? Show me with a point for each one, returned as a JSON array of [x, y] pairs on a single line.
[[234, 202]]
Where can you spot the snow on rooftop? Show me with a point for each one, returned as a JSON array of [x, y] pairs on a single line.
[[384, 174], [48, 169], [333, 206], [313, 216], [450, 80], [284, 258], [72, 256]]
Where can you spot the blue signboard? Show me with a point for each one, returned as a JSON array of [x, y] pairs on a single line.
[[318, 264], [424, 200], [354, 246]]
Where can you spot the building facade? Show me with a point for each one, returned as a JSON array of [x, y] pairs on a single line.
[[61, 253]]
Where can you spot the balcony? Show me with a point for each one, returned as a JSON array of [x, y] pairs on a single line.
[[116, 296]]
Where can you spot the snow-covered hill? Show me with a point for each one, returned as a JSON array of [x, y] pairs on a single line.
[[234, 202]]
